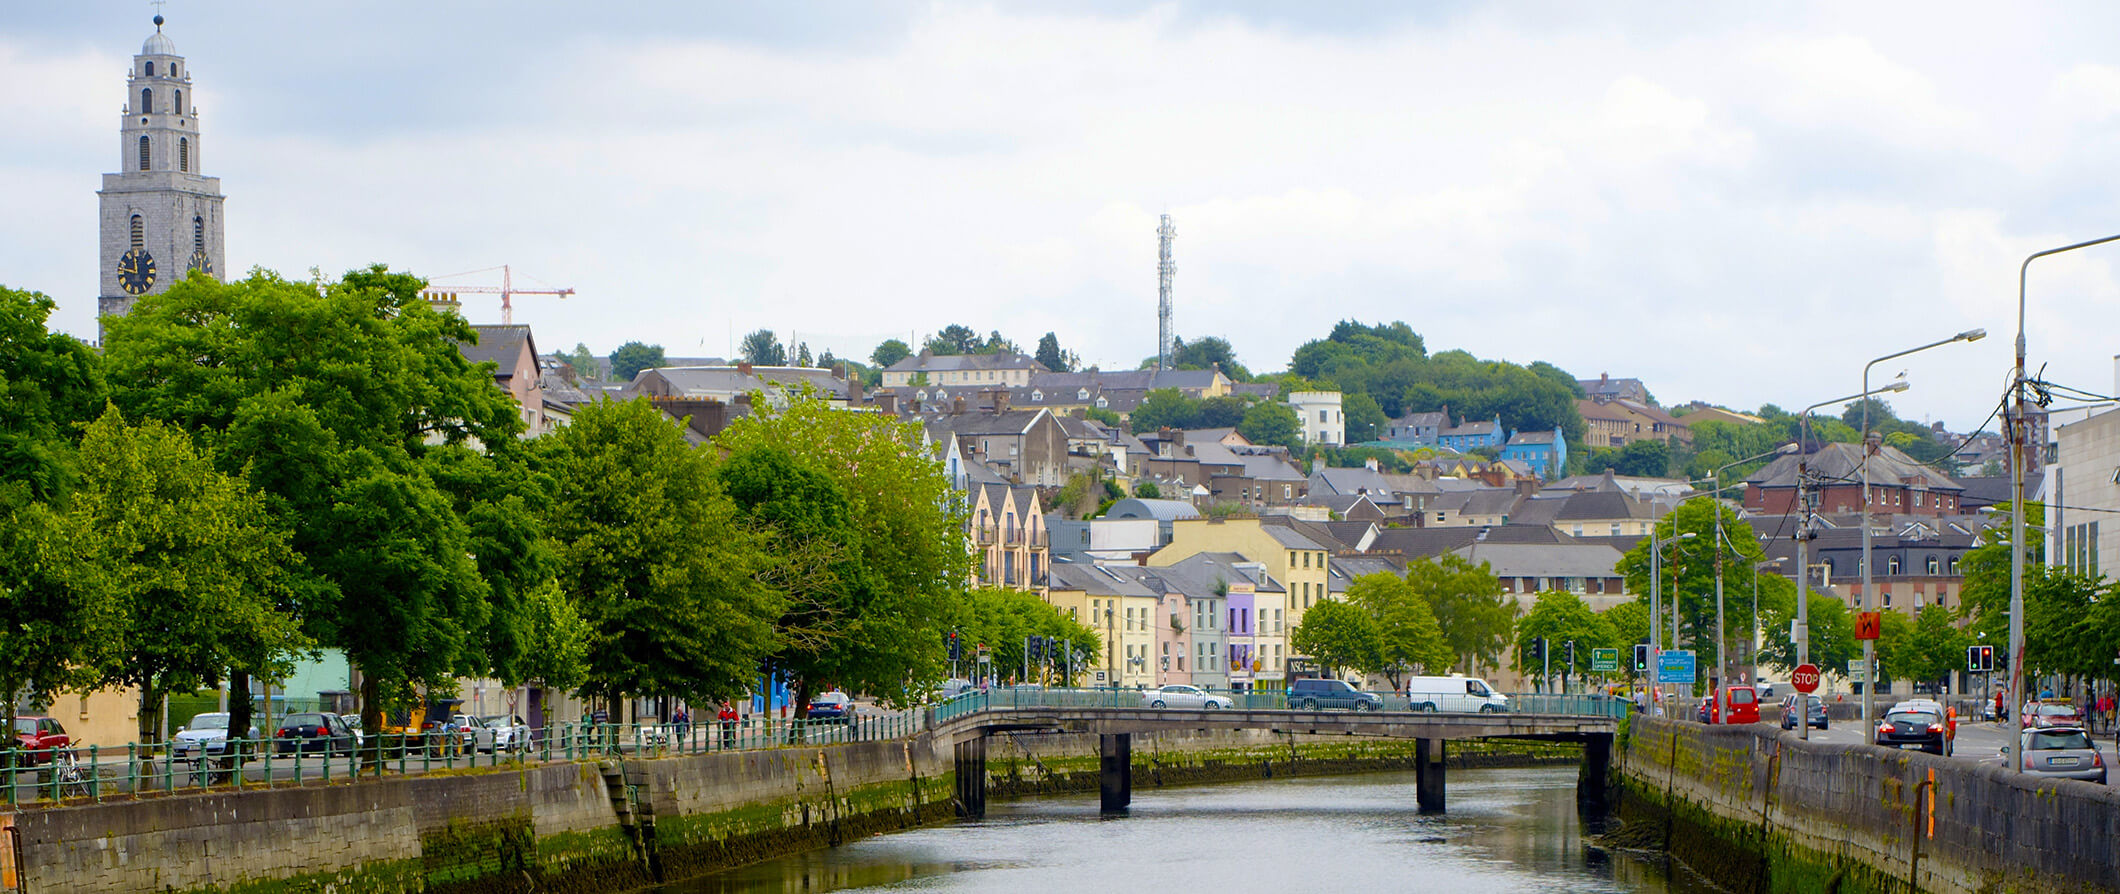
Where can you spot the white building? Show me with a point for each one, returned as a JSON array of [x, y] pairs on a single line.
[[2083, 493], [1320, 417]]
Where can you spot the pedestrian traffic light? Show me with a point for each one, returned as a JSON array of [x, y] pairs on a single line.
[[1641, 656]]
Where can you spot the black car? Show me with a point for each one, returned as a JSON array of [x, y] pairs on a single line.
[[1788, 711], [1913, 728], [1312, 694], [327, 733]]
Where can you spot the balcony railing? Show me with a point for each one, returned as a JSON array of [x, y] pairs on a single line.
[[984, 536]]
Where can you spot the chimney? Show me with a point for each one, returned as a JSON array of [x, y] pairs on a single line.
[[743, 366], [1000, 401], [887, 401], [957, 405]]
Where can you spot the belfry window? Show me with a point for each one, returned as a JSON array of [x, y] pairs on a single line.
[[150, 68], [183, 153], [147, 101], [139, 233], [143, 153], [198, 234], [177, 102]]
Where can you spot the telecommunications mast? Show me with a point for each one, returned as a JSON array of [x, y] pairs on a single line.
[[1165, 269]]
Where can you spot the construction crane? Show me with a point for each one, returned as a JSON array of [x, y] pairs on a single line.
[[507, 290]]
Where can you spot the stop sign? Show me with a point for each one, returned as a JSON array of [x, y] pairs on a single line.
[[1805, 679]]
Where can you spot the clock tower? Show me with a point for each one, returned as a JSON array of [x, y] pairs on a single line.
[[161, 218]]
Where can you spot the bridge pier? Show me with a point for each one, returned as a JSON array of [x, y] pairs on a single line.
[[1115, 771], [1590, 786], [1428, 757], [971, 777]]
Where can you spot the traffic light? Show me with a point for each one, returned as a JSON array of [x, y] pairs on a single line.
[[1980, 659], [1538, 650], [1037, 648], [956, 647], [1641, 656], [1571, 653]]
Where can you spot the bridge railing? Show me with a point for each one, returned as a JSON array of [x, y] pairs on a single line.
[[1455, 702]]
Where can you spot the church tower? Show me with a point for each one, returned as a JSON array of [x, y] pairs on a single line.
[[161, 217]]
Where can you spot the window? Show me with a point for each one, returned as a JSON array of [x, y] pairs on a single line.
[[147, 101], [1578, 530], [143, 153], [139, 232], [198, 233], [1891, 565], [1615, 529], [176, 101], [1934, 565], [1951, 564], [1321, 416], [183, 153]]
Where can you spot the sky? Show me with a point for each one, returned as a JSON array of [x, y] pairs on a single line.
[[1741, 205]]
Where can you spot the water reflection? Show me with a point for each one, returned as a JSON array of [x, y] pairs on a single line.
[[1507, 830]]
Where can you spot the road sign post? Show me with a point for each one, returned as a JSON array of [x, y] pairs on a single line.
[[1604, 660], [1674, 666], [1805, 679]]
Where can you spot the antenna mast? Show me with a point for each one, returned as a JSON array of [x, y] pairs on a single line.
[[1165, 269]]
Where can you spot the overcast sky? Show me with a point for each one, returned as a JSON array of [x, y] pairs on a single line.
[[1736, 206]]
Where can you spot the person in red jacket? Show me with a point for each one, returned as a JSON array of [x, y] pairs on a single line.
[[728, 724]]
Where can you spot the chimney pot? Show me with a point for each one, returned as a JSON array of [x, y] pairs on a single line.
[[743, 366]]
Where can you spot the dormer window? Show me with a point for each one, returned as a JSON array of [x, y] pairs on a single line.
[[1084, 395], [1037, 395]]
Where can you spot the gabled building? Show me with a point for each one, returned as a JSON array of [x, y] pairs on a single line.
[[1024, 446], [1005, 370], [1545, 453], [1471, 435], [1619, 422], [1898, 484], [1416, 429], [1116, 602], [1007, 534], [1319, 420], [1605, 387], [513, 354]]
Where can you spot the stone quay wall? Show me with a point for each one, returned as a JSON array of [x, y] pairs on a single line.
[[1758, 810]]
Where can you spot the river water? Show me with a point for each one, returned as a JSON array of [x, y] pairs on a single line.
[[1506, 830]]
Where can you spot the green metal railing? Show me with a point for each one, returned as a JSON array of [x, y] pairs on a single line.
[[1454, 702]]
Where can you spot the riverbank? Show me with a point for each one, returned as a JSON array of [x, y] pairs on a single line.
[[1757, 811]]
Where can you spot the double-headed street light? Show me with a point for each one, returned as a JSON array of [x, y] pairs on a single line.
[[2018, 428], [1803, 536], [1722, 663], [1869, 647]]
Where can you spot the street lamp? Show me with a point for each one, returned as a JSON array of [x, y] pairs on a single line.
[[1758, 567], [1803, 535], [1869, 646], [1722, 662], [2017, 437], [1656, 587]]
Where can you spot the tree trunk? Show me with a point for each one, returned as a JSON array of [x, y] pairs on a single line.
[[372, 717], [150, 714], [239, 714]]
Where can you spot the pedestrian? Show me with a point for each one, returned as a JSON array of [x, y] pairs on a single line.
[[728, 724], [682, 720]]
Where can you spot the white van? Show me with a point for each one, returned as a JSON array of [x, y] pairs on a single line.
[[1455, 693]]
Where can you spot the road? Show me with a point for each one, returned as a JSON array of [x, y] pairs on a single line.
[[1978, 740]]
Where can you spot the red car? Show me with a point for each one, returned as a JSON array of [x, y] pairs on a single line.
[[2052, 714], [40, 738]]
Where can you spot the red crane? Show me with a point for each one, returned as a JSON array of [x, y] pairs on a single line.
[[506, 290]]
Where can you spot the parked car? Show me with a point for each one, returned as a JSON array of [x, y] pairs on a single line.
[[1705, 711], [1914, 725], [2052, 714], [353, 722], [1789, 709], [1455, 692], [315, 731], [1179, 695], [1314, 693], [2063, 752], [206, 734], [832, 706], [496, 733], [1765, 688], [40, 739]]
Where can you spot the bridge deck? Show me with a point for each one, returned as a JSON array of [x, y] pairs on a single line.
[[1114, 721]]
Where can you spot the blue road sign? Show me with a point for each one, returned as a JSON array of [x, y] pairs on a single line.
[[1674, 666]]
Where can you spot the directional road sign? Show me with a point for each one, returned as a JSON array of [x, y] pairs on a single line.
[[1604, 659], [1674, 666]]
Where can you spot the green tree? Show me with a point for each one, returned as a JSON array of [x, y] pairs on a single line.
[[1833, 642], [1148, 490], [60, 624], [1212, 352], [1103, 415], [1163, 408], [905, 560], [632, 357], [1365, 420], [762, 348], [1561, 617], [48, 383], [1270, 423], [1408, 638], [197, 569], [1001, 618], [1630, 624], [802, 355], [583, 361], [891, 351], [656, 559], [1226, 411], [332, 400], [1641, 459], [1338, 635], [1688, 570], [1469, 606], [1051, 357], [954, 339]]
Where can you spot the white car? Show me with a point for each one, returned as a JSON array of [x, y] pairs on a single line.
[[1178, 695], [501, 732]]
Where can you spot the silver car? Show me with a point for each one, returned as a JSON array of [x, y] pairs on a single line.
[[1179, 695], [2059, 752], [206, 734]]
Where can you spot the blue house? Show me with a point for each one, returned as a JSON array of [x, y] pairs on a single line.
[[1467, 436], [1546, 452]]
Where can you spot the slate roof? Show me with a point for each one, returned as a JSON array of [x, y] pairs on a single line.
[[500, 344], [1418, 542], [926, 362], [1843, 462], [1531, 437], [1360, 479], [1334, 536], [716, 381], [1544, 559], [1013, 422], [1161, 510]]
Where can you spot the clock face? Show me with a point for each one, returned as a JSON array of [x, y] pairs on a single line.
[[200, 262], [136, 272]]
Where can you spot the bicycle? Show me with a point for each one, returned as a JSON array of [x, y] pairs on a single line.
[[69, 779]]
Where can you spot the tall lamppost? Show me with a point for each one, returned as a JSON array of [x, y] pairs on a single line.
[[1656, 587], [1722, 663], [2017, 437], [1869, 601], [1803, 536], [1757, 567]]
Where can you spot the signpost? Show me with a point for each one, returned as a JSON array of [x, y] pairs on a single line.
[[1604, 660], [1674, 666], [1805, 678]]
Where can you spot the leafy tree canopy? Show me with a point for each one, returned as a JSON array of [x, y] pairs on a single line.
[[48, 383], [1390, 364], [1271, 423], [1051, 357], [1469, 605], [632, 357], [1211, 352], [763, 348], [1561, 617], [1001, 618], [891, 351]]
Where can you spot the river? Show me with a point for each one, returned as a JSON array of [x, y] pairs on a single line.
[[1506, 830]]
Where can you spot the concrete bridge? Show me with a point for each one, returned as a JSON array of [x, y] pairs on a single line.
[[965, 724]]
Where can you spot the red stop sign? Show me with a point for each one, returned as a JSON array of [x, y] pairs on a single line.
[[1805, 679]]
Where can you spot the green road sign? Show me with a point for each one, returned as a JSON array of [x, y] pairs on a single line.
[[1604, 659]]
